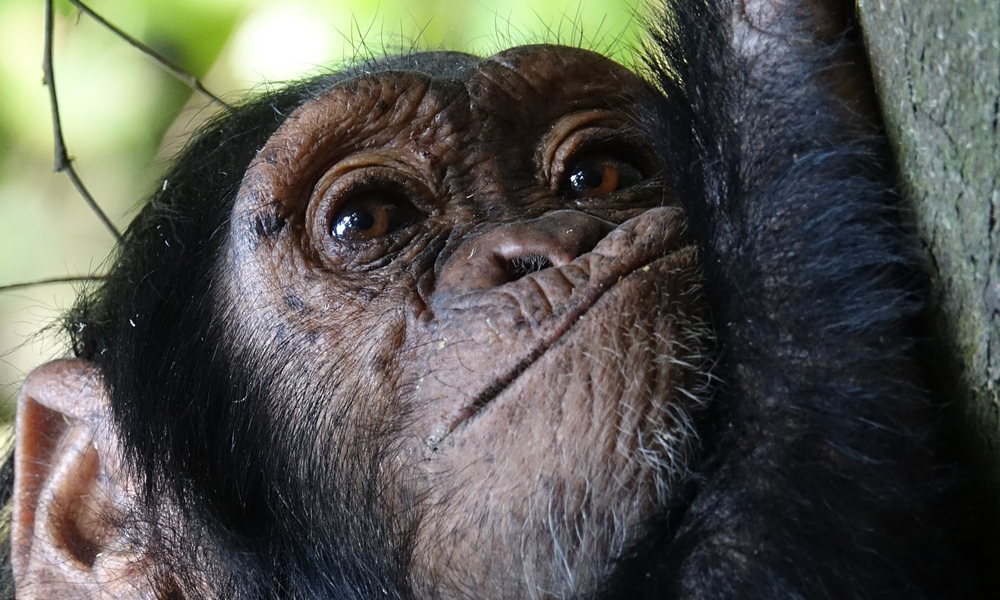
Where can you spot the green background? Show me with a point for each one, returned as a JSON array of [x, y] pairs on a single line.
[[123, 117]]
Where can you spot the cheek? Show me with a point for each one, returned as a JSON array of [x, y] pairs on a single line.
[[332, 380], [350, 375]]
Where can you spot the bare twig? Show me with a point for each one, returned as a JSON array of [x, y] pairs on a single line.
[[182, 75], [10, 287], [63, 164]]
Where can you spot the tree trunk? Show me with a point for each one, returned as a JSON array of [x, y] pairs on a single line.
[[937, 72]]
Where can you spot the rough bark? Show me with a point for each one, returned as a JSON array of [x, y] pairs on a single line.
[[937, 71]]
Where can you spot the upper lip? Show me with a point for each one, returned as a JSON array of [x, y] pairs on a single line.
[[634, 257]]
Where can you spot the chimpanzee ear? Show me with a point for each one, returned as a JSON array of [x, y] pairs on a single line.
[[71, 492]]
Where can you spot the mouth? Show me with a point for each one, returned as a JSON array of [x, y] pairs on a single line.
[[631, 251]]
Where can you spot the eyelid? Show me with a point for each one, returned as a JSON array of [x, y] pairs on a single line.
[[356, 166], [568, 133], [374, 169], [346, 180], [588, 133]]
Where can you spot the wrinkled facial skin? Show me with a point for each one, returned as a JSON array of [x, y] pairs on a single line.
[[489, 291]]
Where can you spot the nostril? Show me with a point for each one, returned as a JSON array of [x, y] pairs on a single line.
[[508, 252], [519, 266]]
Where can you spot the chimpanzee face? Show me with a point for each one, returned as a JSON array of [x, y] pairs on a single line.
[[479, 283], [434, 327]]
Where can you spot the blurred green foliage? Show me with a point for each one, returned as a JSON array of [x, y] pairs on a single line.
[[117, 106]]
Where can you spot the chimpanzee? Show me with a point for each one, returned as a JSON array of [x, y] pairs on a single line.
[[525, 326]]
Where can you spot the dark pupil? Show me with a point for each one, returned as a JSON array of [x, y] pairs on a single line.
[[586, 178], [353, 222]]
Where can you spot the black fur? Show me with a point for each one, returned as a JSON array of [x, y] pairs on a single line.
[[821, 479], [180, 394]]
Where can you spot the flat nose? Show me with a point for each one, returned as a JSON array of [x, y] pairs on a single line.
[[512, 250]]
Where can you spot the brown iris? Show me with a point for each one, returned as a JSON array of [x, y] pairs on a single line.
[[370, 216], [600, 175]]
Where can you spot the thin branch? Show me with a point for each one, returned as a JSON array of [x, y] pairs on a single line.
[[10, 287], [182, 75], [62, 162]]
